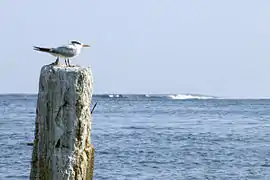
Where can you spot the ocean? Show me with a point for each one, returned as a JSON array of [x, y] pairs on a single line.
[[148, 137]]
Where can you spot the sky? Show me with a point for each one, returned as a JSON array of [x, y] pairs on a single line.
[[208, 47]]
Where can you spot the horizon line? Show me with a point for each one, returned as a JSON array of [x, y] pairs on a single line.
[[218, 97]]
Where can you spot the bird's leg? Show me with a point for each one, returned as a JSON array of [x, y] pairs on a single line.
[[66, 62], [56, 61]]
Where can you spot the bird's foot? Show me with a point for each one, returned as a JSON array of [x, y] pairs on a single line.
[[71, 65]]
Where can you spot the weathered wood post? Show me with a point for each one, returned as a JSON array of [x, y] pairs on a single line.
[[62, 148]]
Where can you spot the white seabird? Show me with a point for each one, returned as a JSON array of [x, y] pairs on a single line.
[[66, 52]]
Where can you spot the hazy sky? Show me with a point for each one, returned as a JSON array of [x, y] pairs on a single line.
[[144, 46]]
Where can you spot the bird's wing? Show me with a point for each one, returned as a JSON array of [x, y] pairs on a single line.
[[42, 49], [67, 51]]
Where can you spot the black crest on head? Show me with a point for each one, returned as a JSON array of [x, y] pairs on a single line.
[[76, 42]]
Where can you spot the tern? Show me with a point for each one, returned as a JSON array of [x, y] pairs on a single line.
[[66, 52]]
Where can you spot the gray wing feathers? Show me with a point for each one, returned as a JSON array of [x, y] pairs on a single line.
[[64, 51]]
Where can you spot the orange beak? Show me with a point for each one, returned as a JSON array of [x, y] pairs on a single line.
[[85, 45]]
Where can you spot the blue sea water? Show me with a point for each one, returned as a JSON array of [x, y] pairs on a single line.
[[154, 137]]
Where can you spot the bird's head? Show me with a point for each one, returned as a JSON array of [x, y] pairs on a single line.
[[79, 44]]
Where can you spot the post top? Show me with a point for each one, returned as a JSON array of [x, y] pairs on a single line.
[[62, 67]]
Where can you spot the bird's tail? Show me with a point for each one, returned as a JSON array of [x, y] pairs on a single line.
[[42, 49]]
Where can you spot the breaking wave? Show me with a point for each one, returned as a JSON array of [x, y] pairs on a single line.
[[157, 96], [184, 96]]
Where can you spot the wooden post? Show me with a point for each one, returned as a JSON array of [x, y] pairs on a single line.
[[62, 148]]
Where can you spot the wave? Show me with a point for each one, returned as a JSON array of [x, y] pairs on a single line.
[[189, 96], [156, 96], [129, 96]]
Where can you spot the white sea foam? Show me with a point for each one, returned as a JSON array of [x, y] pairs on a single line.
[[188, 96], [166, 96], [114, 95]]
